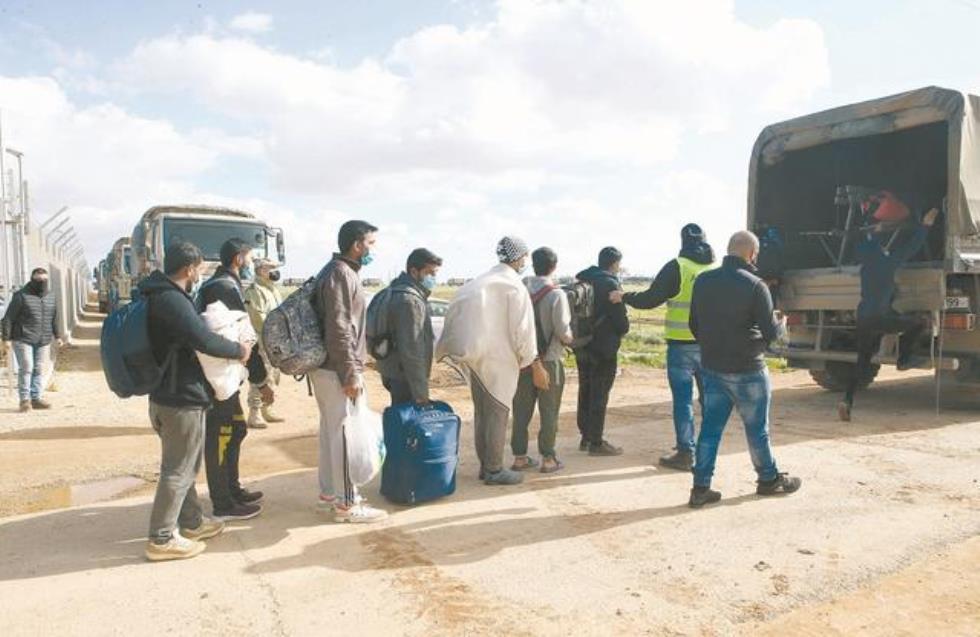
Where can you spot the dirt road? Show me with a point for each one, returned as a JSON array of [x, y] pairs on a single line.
[[883, 538]]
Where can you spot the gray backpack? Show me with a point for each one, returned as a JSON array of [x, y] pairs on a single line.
[[293, 334], [377, 332]]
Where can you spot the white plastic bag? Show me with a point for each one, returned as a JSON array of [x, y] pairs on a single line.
[[364, 436], [225, 375]]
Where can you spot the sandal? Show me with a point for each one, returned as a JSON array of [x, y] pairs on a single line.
[[529, 463], [557, 466]]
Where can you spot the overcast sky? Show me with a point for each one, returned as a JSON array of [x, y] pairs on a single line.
[[446, 123]]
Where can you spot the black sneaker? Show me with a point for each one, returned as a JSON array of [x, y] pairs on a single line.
[[583, 445], [248, 497], [238, 512], [701, 496], [604, 448], [781, 484], [681, 460]]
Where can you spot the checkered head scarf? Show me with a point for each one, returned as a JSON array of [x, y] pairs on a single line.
[[510, 249]]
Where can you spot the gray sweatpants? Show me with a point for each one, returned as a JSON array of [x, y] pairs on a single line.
[[490, 418], [333, 406], [181, 431]]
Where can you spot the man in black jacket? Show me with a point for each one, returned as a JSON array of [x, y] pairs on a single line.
[[31, 322], [177, 406], [673, 286], [226, 426], [405, 370], [597, 360], [732, 318]]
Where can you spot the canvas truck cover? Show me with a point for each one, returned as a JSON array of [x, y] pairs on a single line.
[[899, 112]]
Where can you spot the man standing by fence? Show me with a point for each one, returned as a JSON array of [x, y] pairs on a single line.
[[31, 323]]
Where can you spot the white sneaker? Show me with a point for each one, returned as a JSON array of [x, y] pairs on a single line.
[[209, 528], [360, 513], [178, 548], [255, 420], [325, 505]]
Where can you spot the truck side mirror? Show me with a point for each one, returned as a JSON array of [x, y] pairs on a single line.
[[281, 246]]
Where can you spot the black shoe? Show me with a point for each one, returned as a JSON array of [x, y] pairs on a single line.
[[682, 461], [583, 445], [605, 449], [238, 512], [782, 483], [248, 497], [701, 496]]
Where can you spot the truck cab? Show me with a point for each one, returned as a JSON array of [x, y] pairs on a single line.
[[807, 177], [207, 227], [102, 286]]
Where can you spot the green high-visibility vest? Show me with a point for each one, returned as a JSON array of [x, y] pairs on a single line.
[[679, 307]]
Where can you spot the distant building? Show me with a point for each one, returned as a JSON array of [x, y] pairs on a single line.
[[456, 282], [373, 283]]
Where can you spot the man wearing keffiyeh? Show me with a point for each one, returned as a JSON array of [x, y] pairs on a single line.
[[489, 329]]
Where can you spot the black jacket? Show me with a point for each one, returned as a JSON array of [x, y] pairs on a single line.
[[667, 283], [878, 270], [612, 323], [732, 318], [410, 324], [225, 286], [174, 322], [31, 318]]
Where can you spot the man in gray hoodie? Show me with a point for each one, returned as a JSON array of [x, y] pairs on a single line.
[[552, 323], [405, 370]]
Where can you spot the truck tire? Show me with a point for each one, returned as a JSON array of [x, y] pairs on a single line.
[[835, 376]]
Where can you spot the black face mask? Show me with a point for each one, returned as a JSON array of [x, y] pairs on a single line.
[[38, 287], [275, 275]]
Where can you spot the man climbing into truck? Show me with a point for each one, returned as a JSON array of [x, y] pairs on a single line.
[[875, 315]]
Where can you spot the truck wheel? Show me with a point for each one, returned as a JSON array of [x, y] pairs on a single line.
[[836, 375]]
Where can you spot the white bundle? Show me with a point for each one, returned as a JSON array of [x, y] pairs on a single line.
[[226, 375]]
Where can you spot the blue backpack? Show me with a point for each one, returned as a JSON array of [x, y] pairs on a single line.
[[127, 355]]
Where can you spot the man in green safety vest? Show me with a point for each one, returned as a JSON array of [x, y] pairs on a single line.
[[674, 286]]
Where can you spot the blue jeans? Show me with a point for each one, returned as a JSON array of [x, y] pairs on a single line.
[[31, 360], [683, 371], [751, 395]]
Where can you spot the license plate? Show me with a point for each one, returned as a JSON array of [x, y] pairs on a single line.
[[957, 303]]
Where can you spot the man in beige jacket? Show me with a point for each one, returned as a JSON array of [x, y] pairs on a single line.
[[262, 297]]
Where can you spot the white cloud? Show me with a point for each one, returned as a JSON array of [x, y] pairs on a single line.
[[252, 22], [105, 163], [569, 122], [565, 86]]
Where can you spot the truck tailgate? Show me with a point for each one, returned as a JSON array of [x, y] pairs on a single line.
[[919, 289]]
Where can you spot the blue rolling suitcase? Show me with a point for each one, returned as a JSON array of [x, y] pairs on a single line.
[[422, 452]]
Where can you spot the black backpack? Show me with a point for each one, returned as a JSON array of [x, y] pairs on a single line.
[[581, 301], [127, 355]]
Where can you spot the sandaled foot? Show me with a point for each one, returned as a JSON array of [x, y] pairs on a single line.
[[523, 463]]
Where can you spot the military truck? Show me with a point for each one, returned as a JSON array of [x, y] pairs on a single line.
[[805, 178], [119, 274], [102, 285], [207, 227]]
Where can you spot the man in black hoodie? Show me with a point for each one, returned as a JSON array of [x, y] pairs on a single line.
[[597, 360], [226, 426], [31, 322], [674, 286], [177, 406]]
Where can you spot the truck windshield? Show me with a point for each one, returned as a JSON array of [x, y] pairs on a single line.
[[208, 235]]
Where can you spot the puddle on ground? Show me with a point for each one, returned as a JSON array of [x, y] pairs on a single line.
[[86, 493]]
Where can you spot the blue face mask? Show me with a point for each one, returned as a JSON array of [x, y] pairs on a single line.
[[246, 273], [429, 282], [367, 259]]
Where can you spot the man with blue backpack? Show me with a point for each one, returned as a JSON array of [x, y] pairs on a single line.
[[178, 401]]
